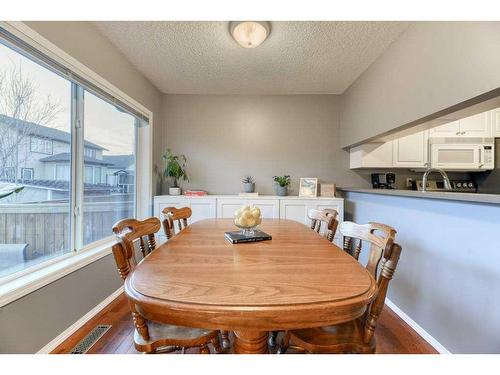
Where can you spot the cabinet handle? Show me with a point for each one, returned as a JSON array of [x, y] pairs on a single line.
[[462, 133]]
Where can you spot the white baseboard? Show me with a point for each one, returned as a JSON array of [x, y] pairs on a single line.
[[422, 332], [79, 323]]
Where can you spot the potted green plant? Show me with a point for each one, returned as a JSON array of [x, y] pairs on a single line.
[[248, 184], [282, 183], [175, 168]]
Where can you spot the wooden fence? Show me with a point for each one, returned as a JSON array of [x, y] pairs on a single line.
[[45, 227]]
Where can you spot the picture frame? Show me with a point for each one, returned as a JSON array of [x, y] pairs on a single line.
[[308, 187], [327, 190]]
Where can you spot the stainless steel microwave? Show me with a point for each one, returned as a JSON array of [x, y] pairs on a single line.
[[462, 154]]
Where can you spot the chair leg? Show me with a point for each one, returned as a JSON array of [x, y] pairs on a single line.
[[285, 343], [225, 339], [216, 344], [204, 349], [272, 339]]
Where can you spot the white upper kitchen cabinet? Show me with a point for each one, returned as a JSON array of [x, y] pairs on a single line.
[[476, 126], [495, 122], [473, 126], [411, 151], [451, 129], [371, 155]]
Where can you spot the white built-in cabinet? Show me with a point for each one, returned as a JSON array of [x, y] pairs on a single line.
[[297, 209], [495, 122], [473, 126], [371, 155], [202, 207], [411, 151], [272, 207], [269, 208]]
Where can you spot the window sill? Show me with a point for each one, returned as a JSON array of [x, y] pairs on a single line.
[[28, 282]]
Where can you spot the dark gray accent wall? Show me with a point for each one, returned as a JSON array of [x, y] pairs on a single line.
[[431, 67], [29, 323]]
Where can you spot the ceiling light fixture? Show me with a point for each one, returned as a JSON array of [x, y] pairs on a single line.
[[249, 34]]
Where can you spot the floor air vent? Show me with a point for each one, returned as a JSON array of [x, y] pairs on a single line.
[[88, 341]]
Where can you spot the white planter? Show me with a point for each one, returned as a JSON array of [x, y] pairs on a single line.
[[174, 191]]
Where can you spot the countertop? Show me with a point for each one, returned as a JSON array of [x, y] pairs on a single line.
[[466, 197], [236, 196]]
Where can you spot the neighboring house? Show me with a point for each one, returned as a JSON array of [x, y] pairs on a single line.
[[120, 172], [39, 158]]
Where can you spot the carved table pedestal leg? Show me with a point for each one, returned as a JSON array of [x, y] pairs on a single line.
[[250, 342]]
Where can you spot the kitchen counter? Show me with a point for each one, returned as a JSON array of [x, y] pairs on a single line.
[[466, 197]]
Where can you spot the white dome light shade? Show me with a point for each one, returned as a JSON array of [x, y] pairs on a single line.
[[249, 34]]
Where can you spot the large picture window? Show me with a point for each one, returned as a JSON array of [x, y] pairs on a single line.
[[81, 146]]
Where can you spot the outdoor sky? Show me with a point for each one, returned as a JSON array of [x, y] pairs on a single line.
[[103, 123]]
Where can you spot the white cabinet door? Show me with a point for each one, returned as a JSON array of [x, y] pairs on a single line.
[[163, 201], [203, 208], [451, 129], [411, 151], [297, 210], [473, 126], [476, 126], [269, 208], [371, 155], [495, 122]]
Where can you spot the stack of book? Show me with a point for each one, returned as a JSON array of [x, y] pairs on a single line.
[[239, 237], [195, 193]]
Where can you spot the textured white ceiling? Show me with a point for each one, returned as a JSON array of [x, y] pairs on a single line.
[[297, 58]]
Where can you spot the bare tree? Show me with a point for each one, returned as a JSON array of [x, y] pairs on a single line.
[[20, 101]]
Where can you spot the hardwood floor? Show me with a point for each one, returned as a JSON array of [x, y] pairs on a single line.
[[393, 335]]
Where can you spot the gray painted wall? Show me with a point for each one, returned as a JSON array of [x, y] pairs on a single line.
[[29, 323], [227, 137], [34, 320], [429, 68], [448, 278]]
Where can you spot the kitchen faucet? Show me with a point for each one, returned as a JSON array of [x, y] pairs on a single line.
[[429, 170]]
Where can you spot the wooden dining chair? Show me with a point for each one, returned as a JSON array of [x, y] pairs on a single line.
[[173, 214], [150, 336], [326, 218], [356, 336], [379, 237]]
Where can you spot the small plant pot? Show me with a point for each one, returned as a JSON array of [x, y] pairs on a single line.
[[174, 191], [281, 191], [249, 187]]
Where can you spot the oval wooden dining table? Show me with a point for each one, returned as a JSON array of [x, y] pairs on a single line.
[[296, 280]]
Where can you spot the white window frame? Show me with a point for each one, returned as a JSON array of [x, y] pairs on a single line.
[[66, 174], [32, 170], [21, 283], [90, 152], [88, 178], [47, 145]]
